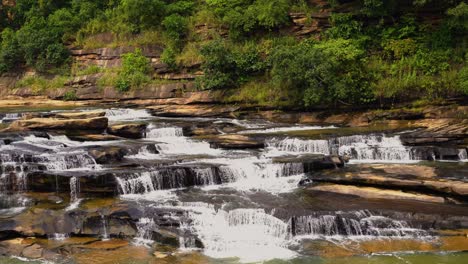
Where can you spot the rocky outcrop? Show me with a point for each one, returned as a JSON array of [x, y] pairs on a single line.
[[97, 123], [134, 131], [111, 57]]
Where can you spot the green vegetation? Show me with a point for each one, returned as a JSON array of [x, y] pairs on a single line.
[[371, 52]]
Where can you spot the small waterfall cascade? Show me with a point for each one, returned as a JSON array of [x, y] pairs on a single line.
[[357, 147], [163, 132], [123, 114], [13, 170], [171, 141], [105, 235], [10, 117], [166, 179], [463, 155], [58, 236], [354, 224], [300, 145], [74, 193], [74, 188], [250, 234], [145, 228]]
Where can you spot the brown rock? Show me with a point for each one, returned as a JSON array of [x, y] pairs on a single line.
[[33, 252], [128, 130], [81, 115], [375, 193], [97, 123]]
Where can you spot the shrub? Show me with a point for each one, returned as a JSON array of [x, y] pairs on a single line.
[[176, 27], [41, 46], [70, 96], [326, 72], [227, 67], [135, 71], [10, 53], [463, 80]]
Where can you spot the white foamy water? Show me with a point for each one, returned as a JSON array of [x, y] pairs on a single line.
[[145, 227], [251, 235], [127, 114], [173, 142], [359, 148]]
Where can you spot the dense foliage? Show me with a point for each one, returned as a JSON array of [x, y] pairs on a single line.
[[373, 51]]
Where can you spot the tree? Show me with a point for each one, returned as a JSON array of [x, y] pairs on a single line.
[[42, 46], [135, 71], [10, 54], [326, 72]]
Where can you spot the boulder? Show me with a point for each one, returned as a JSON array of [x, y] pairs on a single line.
[[128, 130], [96, 123], [106, 154]]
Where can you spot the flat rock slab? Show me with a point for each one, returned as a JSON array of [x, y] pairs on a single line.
[[375, 193], [192, 110], [97, 123], [401, 181], [81, 115]]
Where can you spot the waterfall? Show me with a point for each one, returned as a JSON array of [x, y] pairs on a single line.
[[254, 174], [126, 114], [162, 132], [250, 234], [13, 168], [58, 236], [10, 117], [105, 235], [145, 228], [300, 145], [171, 141], [355, 224], [463, 155], [357, 148], [74, 193], [68, 161], [166, 179]]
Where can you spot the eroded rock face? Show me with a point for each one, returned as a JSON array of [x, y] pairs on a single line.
[[128, 130]]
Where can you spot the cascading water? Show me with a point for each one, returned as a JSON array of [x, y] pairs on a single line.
[[361, 148], [250, 234], [123, 114], [145, 228], [105, 234], [358, 224], [74, 193]]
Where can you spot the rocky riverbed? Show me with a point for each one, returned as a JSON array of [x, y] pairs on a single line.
[[196, 185]]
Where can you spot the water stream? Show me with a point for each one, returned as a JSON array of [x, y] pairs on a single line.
[[243, 204]]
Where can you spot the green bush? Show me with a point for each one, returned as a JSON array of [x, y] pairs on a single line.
[[227, 67], [327, 72], [10, 53], [134, 73], [41, 46], [176, 27], [463, 80], [70, 96]]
